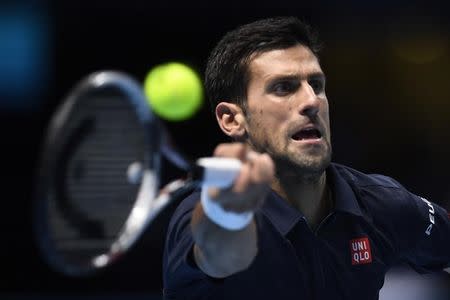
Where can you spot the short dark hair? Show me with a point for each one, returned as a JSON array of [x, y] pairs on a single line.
[[227, 75]]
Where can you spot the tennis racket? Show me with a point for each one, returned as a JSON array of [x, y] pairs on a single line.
[[98, 182]]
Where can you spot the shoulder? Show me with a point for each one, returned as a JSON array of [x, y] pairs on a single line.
[[375, 189], [362, 180], [187, 203], [181, 276], [383, 201], [180, 218], [389, 208]]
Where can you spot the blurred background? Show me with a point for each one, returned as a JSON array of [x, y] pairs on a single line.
[[387, 68]]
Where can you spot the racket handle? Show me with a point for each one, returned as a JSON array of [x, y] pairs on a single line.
[[218, 171]]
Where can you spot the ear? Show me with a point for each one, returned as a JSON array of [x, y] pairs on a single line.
[[231, 119]]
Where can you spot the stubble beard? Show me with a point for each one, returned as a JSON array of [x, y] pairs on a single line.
[[305, 168]]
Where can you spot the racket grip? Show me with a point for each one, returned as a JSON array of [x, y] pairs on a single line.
[[218, 171]]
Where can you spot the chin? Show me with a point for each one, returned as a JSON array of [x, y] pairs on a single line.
[[307, 168], [314, 166]]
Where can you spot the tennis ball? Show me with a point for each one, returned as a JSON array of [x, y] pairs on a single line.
[[174, 91]]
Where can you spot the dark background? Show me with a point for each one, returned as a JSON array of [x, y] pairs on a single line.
[[387, 82]]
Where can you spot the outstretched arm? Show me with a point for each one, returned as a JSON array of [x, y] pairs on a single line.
[[221, 252]]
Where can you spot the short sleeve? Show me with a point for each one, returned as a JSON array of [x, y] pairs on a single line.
[[431, 224], [182, 279], [417, 230]]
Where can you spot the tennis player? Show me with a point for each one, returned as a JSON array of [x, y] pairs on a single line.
[[293, 225]]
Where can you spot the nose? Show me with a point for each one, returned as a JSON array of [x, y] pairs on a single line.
[[309, 103]]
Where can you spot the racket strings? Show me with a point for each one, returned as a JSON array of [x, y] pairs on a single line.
[[95, 176]]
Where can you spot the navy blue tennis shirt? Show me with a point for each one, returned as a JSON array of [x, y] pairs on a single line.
[[375, 224]]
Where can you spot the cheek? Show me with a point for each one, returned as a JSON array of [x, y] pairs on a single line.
[[325, 110], [325, 115], [269, 117], [262, 126]]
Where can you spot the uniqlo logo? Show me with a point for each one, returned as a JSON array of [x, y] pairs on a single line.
[[360, 250]]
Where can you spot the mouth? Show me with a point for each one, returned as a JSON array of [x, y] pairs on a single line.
[[307, 134]]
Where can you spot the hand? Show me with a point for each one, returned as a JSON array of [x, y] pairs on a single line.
[[251, 185]]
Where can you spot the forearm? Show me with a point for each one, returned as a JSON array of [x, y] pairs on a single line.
[[220, 252]]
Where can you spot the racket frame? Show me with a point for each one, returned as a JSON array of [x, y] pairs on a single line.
[[137, 221]]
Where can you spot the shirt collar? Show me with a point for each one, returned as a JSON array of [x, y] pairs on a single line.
[[343, 195], [283, 216], [280, 213]]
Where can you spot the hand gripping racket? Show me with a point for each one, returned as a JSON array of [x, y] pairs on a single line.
[[98, 182]]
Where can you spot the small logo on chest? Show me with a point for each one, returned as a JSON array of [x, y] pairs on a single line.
[[360, 250]]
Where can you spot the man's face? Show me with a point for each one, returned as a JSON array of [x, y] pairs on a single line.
[[287, 111]]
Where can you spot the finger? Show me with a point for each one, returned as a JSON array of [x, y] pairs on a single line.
[[262, 169], [243, 179], [249, 200], [236, 150], [257, 194]]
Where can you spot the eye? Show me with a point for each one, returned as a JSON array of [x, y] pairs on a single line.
[[283, 88], [317, 84]]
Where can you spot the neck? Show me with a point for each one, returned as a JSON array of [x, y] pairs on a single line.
[[309, 196]]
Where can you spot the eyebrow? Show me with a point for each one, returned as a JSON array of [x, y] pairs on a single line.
[[317, 75], [314, 75]]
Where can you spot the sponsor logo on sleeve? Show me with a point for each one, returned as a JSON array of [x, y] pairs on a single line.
[[360, 251], [430, 216]]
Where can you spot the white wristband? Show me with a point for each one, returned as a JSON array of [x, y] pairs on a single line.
[[225, 219]]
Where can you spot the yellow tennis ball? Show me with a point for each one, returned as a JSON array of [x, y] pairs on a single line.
[[174, 91]]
